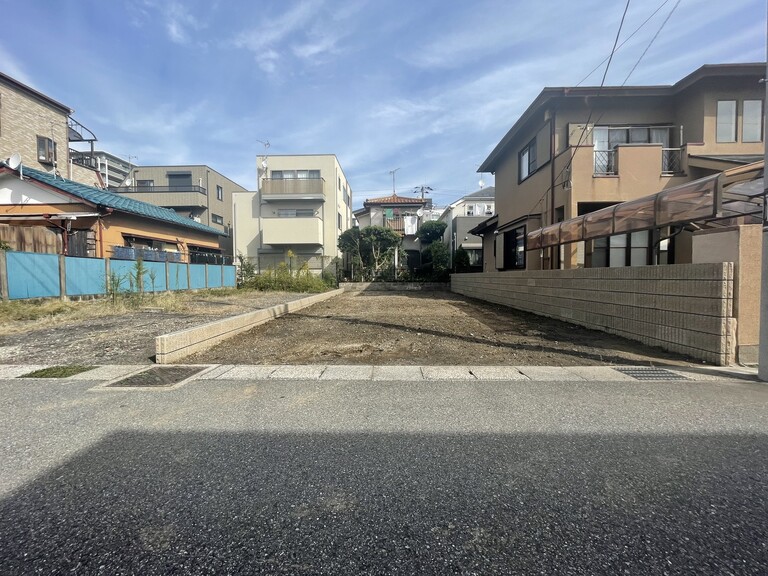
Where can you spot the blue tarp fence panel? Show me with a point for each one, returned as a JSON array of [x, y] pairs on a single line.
[[177, 277], [32, 275], [197, 276], [85, 276], [230, 279], [154, 278], [214, 276]]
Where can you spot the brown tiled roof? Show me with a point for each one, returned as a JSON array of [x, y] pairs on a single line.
[[393, 199]]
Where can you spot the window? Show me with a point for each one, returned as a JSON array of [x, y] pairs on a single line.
[[528, 160], [219, 192], [752, 122], [726, 121], [338, 219], [622, 250], [46, 150], [339, 183], [295, 212], [294, 174], [145, 185], [179, 180], [216, 219]]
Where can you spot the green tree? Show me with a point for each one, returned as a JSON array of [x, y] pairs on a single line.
[[431, 231], [372, 248], [461, 260], [440, 256]]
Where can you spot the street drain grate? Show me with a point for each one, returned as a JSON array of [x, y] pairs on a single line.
[[650, 374], [158, 377]]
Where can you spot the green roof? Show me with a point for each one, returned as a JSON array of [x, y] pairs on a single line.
[[117, 201]]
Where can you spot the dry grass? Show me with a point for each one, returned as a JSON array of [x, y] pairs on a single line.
[[23, 315]]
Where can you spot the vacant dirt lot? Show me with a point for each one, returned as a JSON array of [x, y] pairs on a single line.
[[418, 328], [355, 328]]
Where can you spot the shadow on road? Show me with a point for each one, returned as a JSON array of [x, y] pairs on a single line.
[[215, 503]]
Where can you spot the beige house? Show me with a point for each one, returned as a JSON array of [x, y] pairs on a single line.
[[40, 130], [463, 215], [303, 204], [197, 192], [580, 149]]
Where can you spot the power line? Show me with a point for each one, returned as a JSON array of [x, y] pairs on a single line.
[[652, 41], [627, 39], [586, 124]]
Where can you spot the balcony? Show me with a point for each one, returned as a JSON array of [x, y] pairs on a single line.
[[605, 163], [671, 161], [292, 189], [167, 196], [83, 159], [276, 231]]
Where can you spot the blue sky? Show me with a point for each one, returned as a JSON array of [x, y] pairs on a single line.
[[427, 87]]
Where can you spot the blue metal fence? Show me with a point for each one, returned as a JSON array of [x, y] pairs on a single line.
[[29, 275], [34, 275], [197, 278], [84, 276]]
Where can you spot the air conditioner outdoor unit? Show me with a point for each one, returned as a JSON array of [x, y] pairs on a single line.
[[196, 218]]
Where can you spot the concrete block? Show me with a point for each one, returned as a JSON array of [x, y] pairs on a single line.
[[548, 373], [347, 373], [447, 373], [397, 373], [297, 373], [177, 345]]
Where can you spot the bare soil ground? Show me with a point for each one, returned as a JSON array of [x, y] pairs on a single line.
[[419, 328], [97, 332], [355, 328]]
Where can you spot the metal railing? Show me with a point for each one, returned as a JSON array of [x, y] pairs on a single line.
[[671, 161], [83, 159], [157, 189], [605, 163]]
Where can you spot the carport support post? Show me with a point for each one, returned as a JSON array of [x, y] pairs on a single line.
[[62, 277], [3, 276]]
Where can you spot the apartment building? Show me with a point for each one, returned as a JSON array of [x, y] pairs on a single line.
[[462, 216], [303, 204], [40, 130], [197, 192], [577, 150]]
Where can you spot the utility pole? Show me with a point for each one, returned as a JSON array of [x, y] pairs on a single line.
[[423, 189]]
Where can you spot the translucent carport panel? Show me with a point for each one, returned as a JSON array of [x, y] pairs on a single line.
[[533, 240], [634, 215], [599, 223], [550, 236], [572, 230], [687, 203]]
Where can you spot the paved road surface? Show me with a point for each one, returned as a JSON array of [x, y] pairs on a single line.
[[384, 477]]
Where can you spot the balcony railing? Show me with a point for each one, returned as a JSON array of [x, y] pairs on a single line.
[[671, 161], [397, 224], [307, 187], [605, 162], [83, 159], [157, 189]]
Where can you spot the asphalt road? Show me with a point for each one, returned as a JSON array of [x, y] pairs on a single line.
[[308, 477]]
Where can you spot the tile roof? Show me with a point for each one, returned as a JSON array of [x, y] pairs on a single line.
[[393, 199], [116, 201]]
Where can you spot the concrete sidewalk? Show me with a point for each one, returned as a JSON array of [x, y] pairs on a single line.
[[417, 373]]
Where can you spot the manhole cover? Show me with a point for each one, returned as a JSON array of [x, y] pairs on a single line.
[[650, 374], [158, 376]]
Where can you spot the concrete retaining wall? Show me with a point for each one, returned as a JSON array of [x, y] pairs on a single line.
[[395, 286], [686, 308], [177, 345]]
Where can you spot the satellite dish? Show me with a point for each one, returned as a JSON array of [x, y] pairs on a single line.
[[419, 212], [14, 161], [128, 182], [481, 183]]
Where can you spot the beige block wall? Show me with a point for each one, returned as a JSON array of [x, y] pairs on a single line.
[[22, 119], [743, 246], [687, 309]]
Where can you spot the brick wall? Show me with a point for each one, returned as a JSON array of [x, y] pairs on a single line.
[[685, 308]]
